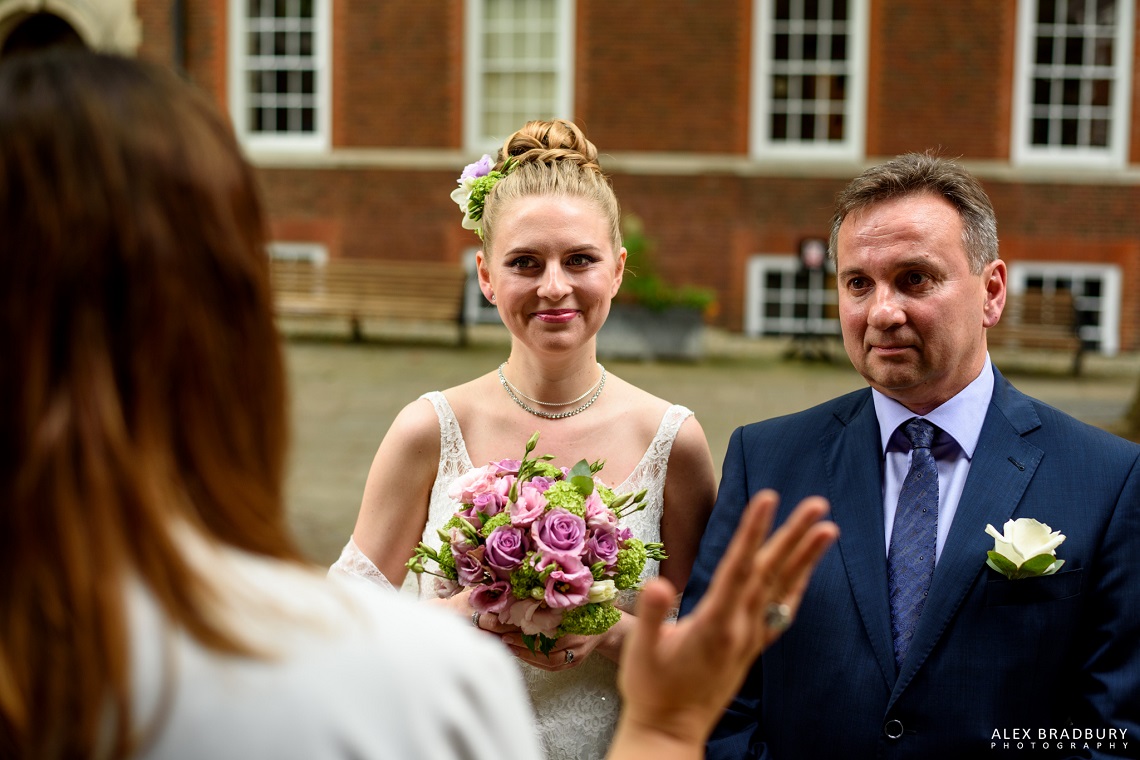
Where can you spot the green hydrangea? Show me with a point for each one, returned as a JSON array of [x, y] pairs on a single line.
[[589, 619], [447, 562], [563, 495], [480, 187], [525, 578], [630, 563], [547, 470], [605, 493], [503, 518]]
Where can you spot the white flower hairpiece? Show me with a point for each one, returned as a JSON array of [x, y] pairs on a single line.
[[475, 183]]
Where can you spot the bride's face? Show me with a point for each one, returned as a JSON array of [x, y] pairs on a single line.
[[553, 271]]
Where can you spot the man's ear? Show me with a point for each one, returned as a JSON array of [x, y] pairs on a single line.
[[995, 280]]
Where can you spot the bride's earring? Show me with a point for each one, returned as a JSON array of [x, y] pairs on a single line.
[[492, 298]]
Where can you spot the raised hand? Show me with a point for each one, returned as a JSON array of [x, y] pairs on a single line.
[[676, 679]]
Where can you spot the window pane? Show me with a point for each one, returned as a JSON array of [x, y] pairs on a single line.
[[1044, 50], [1103, 51], [1045, 9], [1074, 51], [1071, 92], [779, 126], [1040, 131], [780, 87], [839, 10], [1098, 133], [839, 47], [807, 126], [1101, 91], [782, 48], [1041, 92], [835, 127], [811, 10], [1069, 129], [811, 46]]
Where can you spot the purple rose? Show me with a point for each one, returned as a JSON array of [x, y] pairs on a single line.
[[469, 567], [508, 466], [506, 547], [602, 547], [488, 503], [568, 587], [492, 597], [559, 535]]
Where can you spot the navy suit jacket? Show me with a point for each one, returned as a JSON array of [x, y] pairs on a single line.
[[992, 661]]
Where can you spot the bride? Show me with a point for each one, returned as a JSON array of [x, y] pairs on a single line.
[[552, 261]]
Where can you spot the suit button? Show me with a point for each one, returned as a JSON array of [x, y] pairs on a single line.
[[893, 729]]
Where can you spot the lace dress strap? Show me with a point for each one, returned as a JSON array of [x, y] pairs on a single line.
[[453, 457]]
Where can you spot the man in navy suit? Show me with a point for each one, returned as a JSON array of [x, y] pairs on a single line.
[[906, 644]]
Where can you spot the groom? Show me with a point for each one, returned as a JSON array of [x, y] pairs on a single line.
[[906, 644]]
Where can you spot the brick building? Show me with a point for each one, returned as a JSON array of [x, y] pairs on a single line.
[[727, 125]]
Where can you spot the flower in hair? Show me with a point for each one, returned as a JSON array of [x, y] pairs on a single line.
[[475, 183]]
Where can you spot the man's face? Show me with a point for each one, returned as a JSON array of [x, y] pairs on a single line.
[[913, 315]]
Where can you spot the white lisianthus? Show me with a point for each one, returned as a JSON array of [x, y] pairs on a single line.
[[1027, 548], [602, 591]]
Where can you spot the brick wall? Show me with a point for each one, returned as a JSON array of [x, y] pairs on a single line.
[[672, 76]]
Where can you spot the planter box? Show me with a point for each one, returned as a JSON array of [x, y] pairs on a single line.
[[635, 332]]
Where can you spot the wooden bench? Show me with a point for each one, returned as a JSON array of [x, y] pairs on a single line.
[[1038, 320], [360, 289]]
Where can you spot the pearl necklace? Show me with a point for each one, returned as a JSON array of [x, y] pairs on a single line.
[[515, 393]]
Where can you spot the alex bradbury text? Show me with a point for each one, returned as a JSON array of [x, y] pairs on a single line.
[[1059, 738]]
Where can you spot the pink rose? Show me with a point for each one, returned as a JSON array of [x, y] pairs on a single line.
[[469, 567], [492, 597], [569, 586], [559, 535], [598, 514], [529, 506], [479, 480], [602, 547], [506, 548], [445, 587], [533, 617]]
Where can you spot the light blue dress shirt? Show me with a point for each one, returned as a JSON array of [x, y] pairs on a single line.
[[959, 423]]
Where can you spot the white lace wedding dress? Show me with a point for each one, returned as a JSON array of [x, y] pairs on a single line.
[[576, 710]]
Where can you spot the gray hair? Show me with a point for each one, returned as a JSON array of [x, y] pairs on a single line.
[[915, 173]]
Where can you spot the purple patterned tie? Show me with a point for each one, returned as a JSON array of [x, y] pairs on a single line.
[[910, 561]]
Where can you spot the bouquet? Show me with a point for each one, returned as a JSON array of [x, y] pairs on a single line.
[[539, 546]]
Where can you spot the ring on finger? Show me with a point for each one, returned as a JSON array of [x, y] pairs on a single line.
[[778, 616], [569, 656], [475, 618]]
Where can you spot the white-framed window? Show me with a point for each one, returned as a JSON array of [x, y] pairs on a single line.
[[519, 66], [781, 297], [279, 66], [1072, 86], [809, 78], [1096, 290]]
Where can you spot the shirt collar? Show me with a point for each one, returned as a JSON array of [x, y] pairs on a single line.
[[962, 416]]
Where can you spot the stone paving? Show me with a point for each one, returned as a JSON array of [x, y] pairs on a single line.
[[345, 395]]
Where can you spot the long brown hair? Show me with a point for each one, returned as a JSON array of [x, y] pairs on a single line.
[[142, 385]]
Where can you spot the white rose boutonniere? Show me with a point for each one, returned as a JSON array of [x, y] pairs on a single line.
[[1026, 549]]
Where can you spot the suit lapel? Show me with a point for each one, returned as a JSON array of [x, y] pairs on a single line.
[[1002, 466], [854, 471]]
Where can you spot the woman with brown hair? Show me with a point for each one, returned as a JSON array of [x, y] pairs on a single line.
[[151, 601], [552, 261]]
